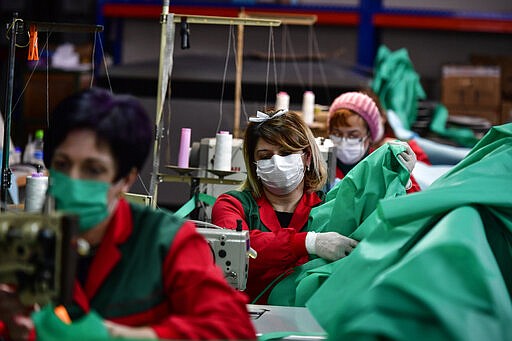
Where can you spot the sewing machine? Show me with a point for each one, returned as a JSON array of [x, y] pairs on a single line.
[[38, 255], [231, 251]]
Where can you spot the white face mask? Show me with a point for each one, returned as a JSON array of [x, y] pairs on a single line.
[[349, 151], [281, 174]]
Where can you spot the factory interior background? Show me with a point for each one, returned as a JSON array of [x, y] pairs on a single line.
[[329, 57]]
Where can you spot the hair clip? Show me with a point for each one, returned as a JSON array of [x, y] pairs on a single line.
[[262, 117]]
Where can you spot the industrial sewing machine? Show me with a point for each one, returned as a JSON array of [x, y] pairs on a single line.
[[38, 254]]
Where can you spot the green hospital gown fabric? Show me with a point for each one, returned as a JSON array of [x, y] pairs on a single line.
[[346, 206], [432, 265], [397, 84]]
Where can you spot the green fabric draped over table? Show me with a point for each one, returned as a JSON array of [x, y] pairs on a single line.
[[432, 265]]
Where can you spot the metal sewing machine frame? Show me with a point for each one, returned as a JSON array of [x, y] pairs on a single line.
[[38, 254]]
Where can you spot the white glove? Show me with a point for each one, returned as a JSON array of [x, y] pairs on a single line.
[[329, 245], [407, 157]]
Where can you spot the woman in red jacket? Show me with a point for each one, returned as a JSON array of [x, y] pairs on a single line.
[[357, 126], [149, 274], [285, 173]]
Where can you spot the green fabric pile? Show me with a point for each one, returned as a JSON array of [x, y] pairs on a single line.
[[397, 84], [346, 206], [398, 87], [433, 265]]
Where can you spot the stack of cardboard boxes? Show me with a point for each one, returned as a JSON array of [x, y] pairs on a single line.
[[505, 64], [482, 89]]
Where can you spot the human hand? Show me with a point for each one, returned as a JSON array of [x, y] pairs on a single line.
[[329, 245], [122, 331], [14, 314], [407, 157]]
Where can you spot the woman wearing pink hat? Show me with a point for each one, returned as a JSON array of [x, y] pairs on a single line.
[[356, 127]]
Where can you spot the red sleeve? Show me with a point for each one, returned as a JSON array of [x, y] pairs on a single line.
[[278, 251], [420, 153], [204, 305], [415, 186], [420, 156]]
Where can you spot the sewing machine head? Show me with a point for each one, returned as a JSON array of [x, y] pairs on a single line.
[[38, 255]]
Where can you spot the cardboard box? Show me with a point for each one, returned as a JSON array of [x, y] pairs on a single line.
[[505, 64], [491, 115], [506, 112], [470, 87]]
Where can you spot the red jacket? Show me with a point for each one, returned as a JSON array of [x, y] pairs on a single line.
[[195, 301], [279, 249]]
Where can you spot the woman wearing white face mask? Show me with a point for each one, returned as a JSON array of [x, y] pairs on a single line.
[[285, 173], [356, 127]]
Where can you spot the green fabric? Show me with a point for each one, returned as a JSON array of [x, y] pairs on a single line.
[[190, 205], [284, 334], [397, 84], [433, 265], [50, 328], [463, 136], [347, 205]]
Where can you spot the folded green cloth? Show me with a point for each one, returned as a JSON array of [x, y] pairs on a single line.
[[49, 327], [465, 137]]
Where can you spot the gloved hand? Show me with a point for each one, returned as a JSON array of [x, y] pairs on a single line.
[[407, 157], [329, 245]]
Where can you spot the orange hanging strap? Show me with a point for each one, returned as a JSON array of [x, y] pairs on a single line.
[[61, 312], [33, 53]]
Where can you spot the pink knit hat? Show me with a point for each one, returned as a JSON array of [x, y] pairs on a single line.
[[365, 107]]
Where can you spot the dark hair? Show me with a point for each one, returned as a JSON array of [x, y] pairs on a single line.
[[118, 120]]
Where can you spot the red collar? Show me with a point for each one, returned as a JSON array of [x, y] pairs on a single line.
[[118, 231], [300, 215]]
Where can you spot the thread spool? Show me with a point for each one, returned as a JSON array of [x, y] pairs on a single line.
[[282, 101], [35, 192], [308, 107], [184, 154], [223, 147]]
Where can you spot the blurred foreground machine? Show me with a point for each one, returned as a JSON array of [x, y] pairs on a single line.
[[38, 255]]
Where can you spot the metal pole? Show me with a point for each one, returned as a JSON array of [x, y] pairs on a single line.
[[6, 172], [153, 188]]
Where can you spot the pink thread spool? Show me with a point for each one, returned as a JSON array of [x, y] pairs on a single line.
[[184, 154]]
